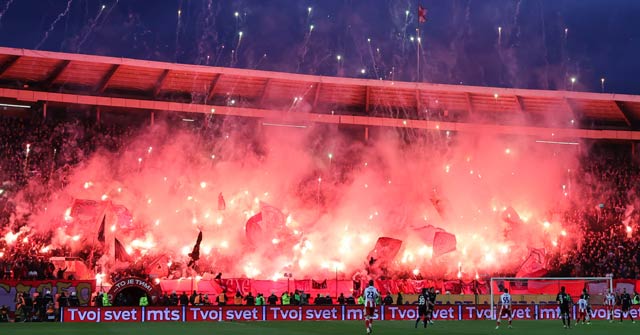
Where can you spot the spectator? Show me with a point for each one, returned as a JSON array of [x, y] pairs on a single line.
[[250, 300], [388, 300], [221, 299], [341, 299], [238, 299], [272, 299], [399, 299], [184, 299], [285, 299]]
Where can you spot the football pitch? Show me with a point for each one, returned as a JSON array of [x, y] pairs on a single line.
[[317, 327]]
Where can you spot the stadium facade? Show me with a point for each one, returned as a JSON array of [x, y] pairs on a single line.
[[45, 80]]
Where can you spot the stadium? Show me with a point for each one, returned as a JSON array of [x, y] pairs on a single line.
[[159, 196]]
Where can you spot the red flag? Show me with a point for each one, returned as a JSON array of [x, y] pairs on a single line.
[[534, 265], [269, 223], [222, 205], [123, 216], [422, 14], [385, 250], [158, 267], [195, 253], [101, 230], [443, 243], [441, 206], [87, 211], [510, 216], [253, 230], [120, 252]]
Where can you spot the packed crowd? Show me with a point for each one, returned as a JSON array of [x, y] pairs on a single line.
[[36, 159], [608, 222], [37, 156]]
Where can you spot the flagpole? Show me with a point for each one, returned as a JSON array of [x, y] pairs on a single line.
[[336, 282], [418, 79]]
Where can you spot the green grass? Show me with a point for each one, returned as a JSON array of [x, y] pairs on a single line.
[[318, 327]]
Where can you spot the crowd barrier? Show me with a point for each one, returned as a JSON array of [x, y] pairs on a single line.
[[311, 313]]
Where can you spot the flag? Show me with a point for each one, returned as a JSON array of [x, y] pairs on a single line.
[[385, 250], [318, 285], [443, 243], [120, 252], [195, 253], [101, 230], [252, 228], [441, 207], [158, 267], [427, 233], [123, 216], [510, 216], [422, 14], [268, 224], [87, 211], [272, 218], [222, 205], [534, 265]]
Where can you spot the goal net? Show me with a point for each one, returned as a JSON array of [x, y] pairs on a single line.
[[523, 289]]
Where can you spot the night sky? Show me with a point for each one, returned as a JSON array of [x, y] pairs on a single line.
[[460, 40]]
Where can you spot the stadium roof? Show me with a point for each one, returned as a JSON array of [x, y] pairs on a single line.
[[128, 84]]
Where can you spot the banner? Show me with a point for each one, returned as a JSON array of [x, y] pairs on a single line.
[[483, 312], [410, 312], [93, 314], [231, 286], [152, 290], [319, 285], [228, 313], [306, 313], [347, 287], [314, 313]]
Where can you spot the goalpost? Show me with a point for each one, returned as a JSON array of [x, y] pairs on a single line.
[[551, 285]]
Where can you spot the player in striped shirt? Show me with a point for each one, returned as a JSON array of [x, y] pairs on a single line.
[[371, 295], [609, 303], [505, 308], [586, 296], [582, 311]]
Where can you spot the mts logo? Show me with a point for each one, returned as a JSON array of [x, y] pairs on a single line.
[[357, 313], [162, 314]]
